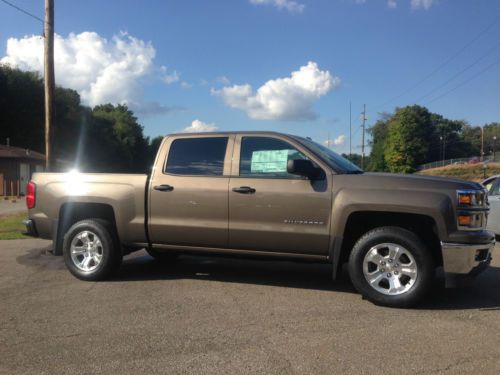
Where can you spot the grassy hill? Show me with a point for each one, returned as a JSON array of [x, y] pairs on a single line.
[[471, 172]]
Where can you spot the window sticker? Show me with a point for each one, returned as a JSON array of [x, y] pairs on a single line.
[[269, 161]]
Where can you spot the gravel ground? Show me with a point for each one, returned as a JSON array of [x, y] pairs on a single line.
[[230, 316], [8, 207]]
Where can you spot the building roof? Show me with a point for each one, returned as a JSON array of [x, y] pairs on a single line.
[[19, 153]]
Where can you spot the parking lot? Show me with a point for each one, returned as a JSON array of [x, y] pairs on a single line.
[[222, 315]]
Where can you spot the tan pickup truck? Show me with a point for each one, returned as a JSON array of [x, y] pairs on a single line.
[[270, 195]]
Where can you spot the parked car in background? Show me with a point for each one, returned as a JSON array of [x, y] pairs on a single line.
[[492, 185]]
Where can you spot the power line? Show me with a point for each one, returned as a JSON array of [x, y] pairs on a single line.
[[488, 67], [23, 11], [459, 73], [425, 78]]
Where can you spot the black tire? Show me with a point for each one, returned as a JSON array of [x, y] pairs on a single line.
[[417, 286], [108, 251], [162, 256]]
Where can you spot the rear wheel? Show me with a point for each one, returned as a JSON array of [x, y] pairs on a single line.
[[390, 266], [90, 250]]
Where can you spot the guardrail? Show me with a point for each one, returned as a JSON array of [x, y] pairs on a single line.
[[457, 161]]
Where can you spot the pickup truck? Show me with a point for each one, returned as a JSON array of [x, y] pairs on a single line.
[[268, 194]]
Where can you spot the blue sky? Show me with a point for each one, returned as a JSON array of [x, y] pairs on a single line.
[[205, 60]]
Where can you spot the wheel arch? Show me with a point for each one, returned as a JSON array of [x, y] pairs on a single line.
[[72, 212], [360, 222]]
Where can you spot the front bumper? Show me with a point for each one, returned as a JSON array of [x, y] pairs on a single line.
[[461, 259]]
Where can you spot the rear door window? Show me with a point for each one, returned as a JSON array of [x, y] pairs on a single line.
[[197, 156]]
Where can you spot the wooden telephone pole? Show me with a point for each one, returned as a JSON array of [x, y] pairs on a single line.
[[49, 81], [363, 138]]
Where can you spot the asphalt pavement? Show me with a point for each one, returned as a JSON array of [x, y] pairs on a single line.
[[205, 315]]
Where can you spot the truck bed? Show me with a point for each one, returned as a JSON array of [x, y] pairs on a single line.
[[124, 193]]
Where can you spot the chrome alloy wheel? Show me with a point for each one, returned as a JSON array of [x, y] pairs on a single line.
[[86, 251], [390, 269]]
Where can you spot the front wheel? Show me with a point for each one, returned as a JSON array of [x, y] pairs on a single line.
[[90, 250], [390, 266]]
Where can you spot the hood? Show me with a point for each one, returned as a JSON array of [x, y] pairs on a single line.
[[414, 182]]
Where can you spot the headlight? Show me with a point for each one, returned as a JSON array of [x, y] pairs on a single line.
[[472, 209]]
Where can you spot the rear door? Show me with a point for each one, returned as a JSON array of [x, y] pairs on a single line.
[[272, 210], [189, 191]]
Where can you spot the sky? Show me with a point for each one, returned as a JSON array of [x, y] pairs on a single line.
[[292, 66]]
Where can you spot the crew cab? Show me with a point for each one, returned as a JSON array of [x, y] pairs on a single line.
[[268, 194]]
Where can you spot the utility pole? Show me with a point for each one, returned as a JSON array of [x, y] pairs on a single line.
[[49, 82], [350, 129], [482, 143], [444, 149], [494, 145], [363, 138], [441, 148]]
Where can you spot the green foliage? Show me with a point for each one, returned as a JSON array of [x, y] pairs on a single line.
[[106, 138], [379, 136], [11, 226], [412, 136], [22, 108], [408, 136]]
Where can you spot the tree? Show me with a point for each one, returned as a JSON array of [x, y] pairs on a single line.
[[378, 134], [107, 138], [128, 132], [409, 134]]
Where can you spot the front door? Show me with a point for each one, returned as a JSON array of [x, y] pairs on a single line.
[[272, 210], [189, 193]]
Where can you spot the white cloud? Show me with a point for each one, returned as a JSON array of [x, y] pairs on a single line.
[[392, 4], [198, 126], [415, 4], [289, 98], [153, 108], [422, 4], [167, 77], [223, 80], [101, 70], [186, 85], [339, 141], [289, 5]]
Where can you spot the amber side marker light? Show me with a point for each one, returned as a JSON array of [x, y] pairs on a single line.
[[465, 198], [465, 220]]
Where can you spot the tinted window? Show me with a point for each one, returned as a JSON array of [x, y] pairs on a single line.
[[267, 157], [494, 187], [197, 156], [336, 161]]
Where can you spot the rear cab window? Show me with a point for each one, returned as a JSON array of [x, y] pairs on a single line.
[[197, 156]]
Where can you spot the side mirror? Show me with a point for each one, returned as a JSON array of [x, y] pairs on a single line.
[[303, 167]]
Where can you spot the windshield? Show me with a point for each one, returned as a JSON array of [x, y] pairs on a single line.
[[334, 160]]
